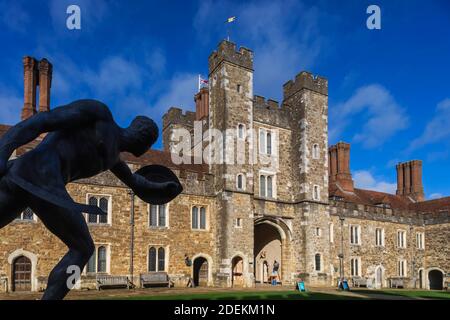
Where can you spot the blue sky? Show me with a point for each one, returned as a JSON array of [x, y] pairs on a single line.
[[389, 89]]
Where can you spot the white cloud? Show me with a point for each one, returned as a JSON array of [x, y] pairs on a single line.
[[365, 180], [115, 76], [11, 105], [438, 129], [283, 43], [435, 196], [384, 117], [179, 92]]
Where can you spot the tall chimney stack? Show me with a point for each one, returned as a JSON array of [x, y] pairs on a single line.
[[409, 180], [45, 83], [30, 82], [339, 168], [201, 104]]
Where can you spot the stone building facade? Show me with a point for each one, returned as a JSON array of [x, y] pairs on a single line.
[[270, 190]]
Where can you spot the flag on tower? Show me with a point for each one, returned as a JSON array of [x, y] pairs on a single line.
[[201, 81]]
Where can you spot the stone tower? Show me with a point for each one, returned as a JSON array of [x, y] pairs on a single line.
[[231, 110], [306, 98]]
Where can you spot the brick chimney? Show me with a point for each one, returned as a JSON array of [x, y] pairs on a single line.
[[45, 83], [409, 180], [30, 82], [339, 166], [201, 104]]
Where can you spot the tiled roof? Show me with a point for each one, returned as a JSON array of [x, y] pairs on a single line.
[[436, 205]]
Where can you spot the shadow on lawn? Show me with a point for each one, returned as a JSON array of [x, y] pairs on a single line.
[[290, 295], [411, 294]]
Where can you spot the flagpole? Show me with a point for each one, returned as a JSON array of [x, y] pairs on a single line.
[[198, 83]]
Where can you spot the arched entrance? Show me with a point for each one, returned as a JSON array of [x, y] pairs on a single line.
[[436, 279], [200, 271], [237, 264], [21, 274], [268, 248], [379, 278]]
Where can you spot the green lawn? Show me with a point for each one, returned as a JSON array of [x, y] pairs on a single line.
[[291, 295], [269, 295], [413, 294]]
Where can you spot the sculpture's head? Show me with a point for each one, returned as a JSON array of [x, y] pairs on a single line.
[[140, 135]]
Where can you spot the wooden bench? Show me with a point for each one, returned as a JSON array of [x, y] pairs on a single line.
[[112, 281], [359, 281], [155, 278], [396, 283]]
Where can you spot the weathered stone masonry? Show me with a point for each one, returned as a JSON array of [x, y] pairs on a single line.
[[303, 220]]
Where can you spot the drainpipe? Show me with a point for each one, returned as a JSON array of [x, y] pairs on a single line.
[[131, 193]]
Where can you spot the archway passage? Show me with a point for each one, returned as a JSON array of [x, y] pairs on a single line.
[[238, 271], [21, 274], [200, 272], [267, 248], [436, 279]]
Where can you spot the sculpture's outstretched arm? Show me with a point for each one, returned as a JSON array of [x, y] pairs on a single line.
[[140, 185], [75, 114]]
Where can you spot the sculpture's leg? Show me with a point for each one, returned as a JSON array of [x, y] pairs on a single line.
[[71, 228], [12, 202]]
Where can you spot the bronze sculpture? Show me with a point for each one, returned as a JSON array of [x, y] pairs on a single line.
[[82, 141]]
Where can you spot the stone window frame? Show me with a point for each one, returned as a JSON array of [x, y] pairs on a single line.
[[167, 210], [238, 223], [98, 245], [266, 174], [320, 262], [316, 188], [239, 88], [352, 234], [315, 151], [207, 218], [109, 215], [401, 245], [402, 268], [166, 257], [238, 131], [263, 146], [20, 218], [382, 237], [318, 232], [420, 240], [331, 232], [358, 269], [244, 182]]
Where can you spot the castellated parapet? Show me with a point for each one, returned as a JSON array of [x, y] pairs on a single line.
[[269, 112], [175, 119], [176, 116], [305, 80], [227, 52]]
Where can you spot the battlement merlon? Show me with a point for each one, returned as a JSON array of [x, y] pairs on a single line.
[[176, 116], [305, 80], [261, 102], [226, 51]]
